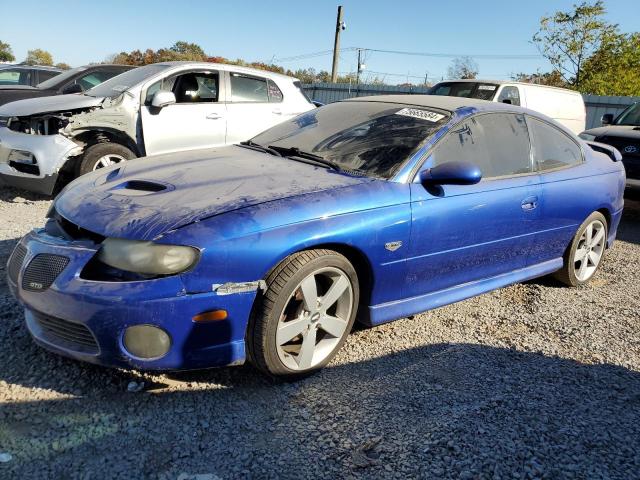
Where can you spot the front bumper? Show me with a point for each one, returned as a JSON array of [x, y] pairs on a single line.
[[50, 152], [103, 310]]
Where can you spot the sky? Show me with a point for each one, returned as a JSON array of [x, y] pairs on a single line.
[[79, 32]]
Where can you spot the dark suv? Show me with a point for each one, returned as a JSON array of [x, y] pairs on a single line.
[[623, 133], [75, 80]]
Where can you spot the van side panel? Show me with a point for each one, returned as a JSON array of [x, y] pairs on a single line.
[[564, 106]]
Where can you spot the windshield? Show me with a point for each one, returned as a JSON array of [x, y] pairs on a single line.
[[370, 138], [631, 116], [118, 84], [482, 91], [60, 79]]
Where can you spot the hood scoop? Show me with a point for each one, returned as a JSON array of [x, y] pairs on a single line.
[[140, 187]]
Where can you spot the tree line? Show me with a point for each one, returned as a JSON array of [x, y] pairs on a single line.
[[586, 53]]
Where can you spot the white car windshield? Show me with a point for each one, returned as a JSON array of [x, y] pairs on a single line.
[[118, 84]]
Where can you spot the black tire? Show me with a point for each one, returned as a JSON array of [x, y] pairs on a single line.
[[95, 152], [567, 274], [282, 282]]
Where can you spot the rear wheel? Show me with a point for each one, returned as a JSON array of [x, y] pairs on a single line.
[[102, 155], [305, 315], [584, 257]]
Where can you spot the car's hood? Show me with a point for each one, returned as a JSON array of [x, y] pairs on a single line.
[[145, 198], [621, 131], [57, 103]]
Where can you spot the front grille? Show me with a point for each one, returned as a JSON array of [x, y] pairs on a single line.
[[75, 336], [15, 262], [42, 271]]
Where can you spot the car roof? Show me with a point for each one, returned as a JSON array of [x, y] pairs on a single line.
[[226, 66], [32, 67]]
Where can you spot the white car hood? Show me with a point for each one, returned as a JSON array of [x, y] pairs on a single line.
[[57, 103]]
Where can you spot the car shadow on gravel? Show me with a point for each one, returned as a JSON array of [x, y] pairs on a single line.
[[443, 410], [16, 195]]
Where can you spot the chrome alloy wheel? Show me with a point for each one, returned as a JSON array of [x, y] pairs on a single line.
[[314, 318], [108, 160], [590, 249]]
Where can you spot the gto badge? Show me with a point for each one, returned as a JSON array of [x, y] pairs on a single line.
[[35, 285], [393, 246], [630, 149]]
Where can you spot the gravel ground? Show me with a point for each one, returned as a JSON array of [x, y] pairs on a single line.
[[531, 381]]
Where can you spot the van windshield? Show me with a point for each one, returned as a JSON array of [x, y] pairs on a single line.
[[631, 116], [479, 90]]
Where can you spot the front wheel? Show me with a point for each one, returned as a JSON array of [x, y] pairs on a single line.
[[584, 256], [305, 315], [101, 155]]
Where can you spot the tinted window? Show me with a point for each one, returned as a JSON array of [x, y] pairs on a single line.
[[373, 138], [44, 75], [631, 116], [188, 87], [551, 147], [482, 91], [510, 94], [248, 89], [94, 79], [60, 79], [275, 94], [497, 143]]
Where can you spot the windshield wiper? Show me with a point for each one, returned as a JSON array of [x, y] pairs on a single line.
[[291, 152], [261, 148]]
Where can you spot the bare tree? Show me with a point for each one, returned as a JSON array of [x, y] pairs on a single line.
[[463, 67]]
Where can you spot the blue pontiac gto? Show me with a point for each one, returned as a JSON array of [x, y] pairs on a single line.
[[266, 251]]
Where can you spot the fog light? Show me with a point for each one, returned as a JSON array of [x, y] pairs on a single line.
[[146, 341], [21, 156]]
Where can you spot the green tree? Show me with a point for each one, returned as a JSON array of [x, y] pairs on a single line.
[[38, 57], [463, 67], [189, 51], [6, 54], [568, 39], [614, 69], [63, 65], [552, 79]]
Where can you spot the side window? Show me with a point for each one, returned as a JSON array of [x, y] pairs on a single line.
[[93, 79], [248, 89], [510, 94], [552, 148], [497, 143], [188, 87], [275, 94], [46, 75]]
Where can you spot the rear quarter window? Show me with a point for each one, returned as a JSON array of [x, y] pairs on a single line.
[[552, 148]]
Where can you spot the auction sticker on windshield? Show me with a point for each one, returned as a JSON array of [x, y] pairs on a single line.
[[421, 114]]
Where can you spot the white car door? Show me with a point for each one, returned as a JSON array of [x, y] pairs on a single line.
[[254, 105], [196, 120]]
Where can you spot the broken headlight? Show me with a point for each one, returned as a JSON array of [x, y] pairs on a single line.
[[21, 156], [146, 257]]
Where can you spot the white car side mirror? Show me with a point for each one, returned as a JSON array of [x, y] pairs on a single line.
[[162, 98]]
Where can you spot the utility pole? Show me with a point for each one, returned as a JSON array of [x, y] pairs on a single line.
[[360, 66], [336, 45]]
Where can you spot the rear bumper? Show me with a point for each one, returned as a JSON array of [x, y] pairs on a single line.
[[104, 310]]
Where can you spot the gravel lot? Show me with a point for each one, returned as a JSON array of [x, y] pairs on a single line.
[[532, 381]]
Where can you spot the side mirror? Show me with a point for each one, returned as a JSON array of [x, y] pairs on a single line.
[[162, 98], [451, 173], [73, 88], [607, 119]]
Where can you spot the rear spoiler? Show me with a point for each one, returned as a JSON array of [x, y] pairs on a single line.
[[608, 150]]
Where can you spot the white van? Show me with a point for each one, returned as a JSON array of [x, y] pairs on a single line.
[[564, 106]]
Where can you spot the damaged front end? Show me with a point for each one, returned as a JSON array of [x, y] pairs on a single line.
[[36, 147]]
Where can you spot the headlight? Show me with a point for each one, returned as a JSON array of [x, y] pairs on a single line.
[[147, 257], [587, 136]]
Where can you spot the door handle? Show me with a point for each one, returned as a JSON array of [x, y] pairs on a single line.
[[277, 112], [213, 116], [529, 203]]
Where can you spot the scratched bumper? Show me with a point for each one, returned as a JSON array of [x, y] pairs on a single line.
[[106, 309]]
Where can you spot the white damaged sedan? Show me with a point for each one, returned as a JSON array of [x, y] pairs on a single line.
[[155, 109]]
